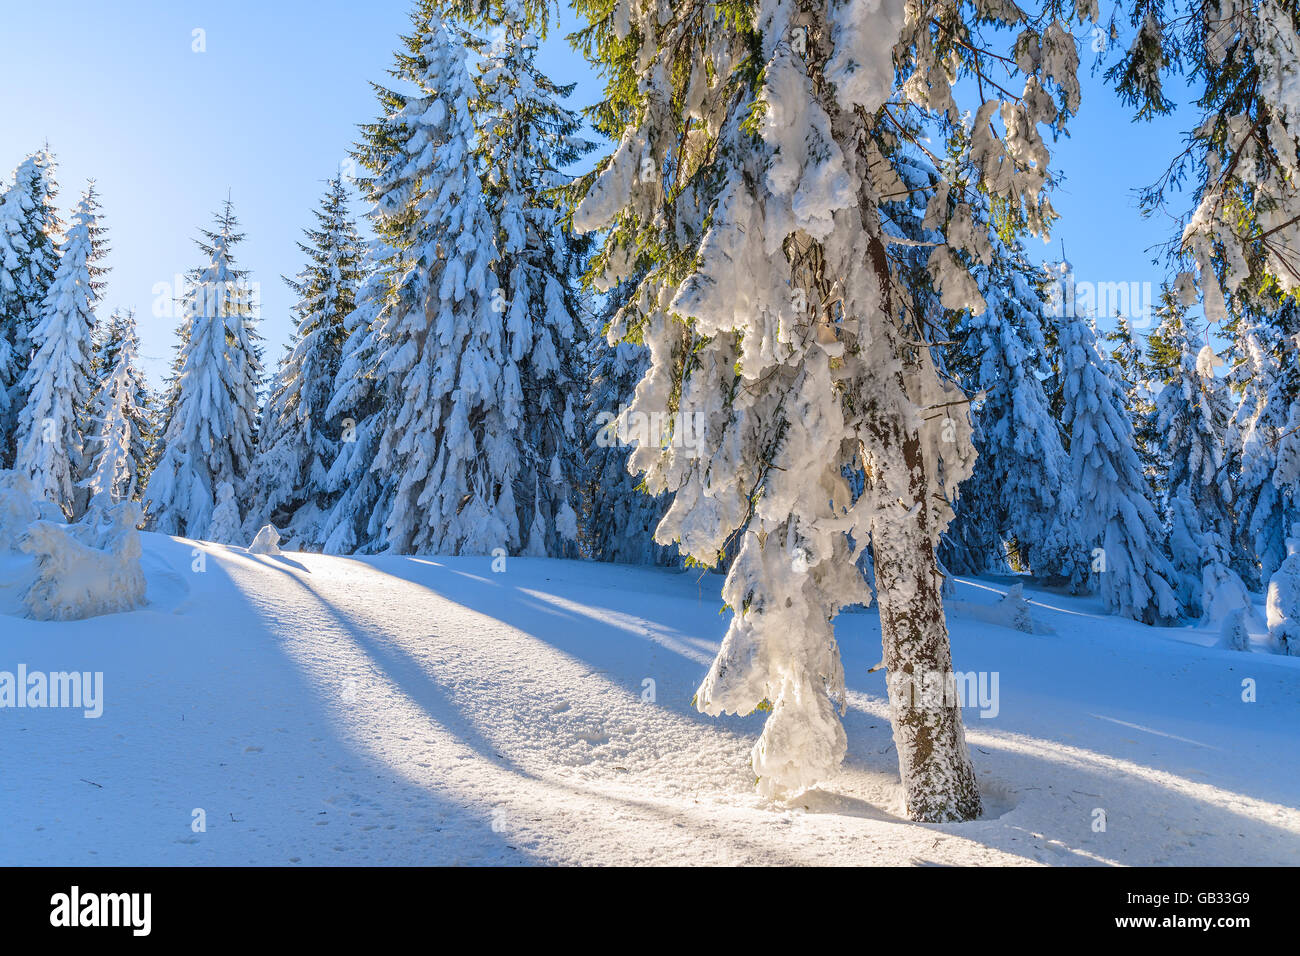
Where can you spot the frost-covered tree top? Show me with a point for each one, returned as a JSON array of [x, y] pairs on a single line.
[[29, 231], [57, 382]]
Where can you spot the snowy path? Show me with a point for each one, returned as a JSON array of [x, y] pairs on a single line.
[[410, 710]]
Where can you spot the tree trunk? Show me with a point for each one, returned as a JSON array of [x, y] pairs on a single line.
[[935, 766], [933, 762]]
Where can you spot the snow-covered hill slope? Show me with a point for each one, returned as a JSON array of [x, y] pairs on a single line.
[[324, 710]]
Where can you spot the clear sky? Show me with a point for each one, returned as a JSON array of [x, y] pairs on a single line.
[[270, 106]]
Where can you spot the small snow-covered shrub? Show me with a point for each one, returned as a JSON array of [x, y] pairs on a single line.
[[225, 526], [88, 568], [1235, 635], [267, 541], [1016, 609], [1222, 593]]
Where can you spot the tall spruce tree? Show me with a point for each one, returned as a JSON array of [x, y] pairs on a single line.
[[1021, 475], [528, 138], [355, 519], [29, 233], [297, 443], [1192, 413], [446, 450], [1127, 353], [1116, 520], [206, 446], [57, 382]]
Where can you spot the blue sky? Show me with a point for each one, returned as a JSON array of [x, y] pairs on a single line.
[[270, 107]]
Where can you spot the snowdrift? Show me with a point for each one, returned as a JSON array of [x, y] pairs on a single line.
[[75, 570], [88, 568]]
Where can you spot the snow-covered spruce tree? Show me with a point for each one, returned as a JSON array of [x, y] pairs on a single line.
[[447, 449], [207, 444], [1166, 346], [1265, 373], [1127, 354], [756, 146], [29, 231], [57, 382], [1115, 518], [119, 429], [1286, 473], [621, 515], [1022, 467], [1192, 414], [297, 443], [527, 138], [354, 521], [119, 334], [1241, 164]]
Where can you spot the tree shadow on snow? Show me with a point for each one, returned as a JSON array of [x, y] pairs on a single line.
[[1151, 817], [428, 827]]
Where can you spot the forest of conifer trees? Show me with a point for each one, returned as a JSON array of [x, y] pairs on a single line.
[[767, 307]]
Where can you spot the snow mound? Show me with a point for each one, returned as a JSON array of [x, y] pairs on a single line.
[[88, 568], [267, 541]]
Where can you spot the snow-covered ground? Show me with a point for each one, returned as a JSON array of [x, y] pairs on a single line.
[[324, 710]]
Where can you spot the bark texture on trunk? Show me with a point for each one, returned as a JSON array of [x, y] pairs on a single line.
[[933, 760]]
